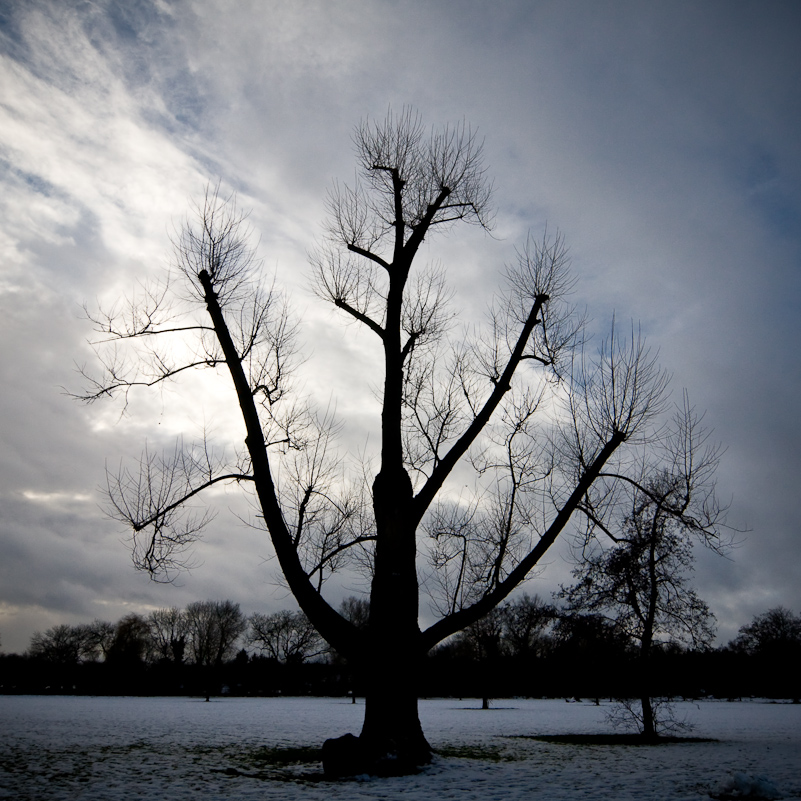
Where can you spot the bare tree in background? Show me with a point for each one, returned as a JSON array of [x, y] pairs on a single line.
[[61, 644], [512, 629], [526, 623], [482, 641], [213, 629], [98, 639], [288, 637], [535, 419], [636, 555], [355, 610], [773, 639], [168, 632]]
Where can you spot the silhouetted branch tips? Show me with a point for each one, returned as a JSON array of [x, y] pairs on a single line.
[[215, 240]]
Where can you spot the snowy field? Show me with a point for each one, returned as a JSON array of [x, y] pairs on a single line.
[[182, 748]]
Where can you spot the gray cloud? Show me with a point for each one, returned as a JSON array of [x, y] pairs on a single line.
[[663, 141]]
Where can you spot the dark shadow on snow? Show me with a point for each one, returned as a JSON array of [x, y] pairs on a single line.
[[612, 739]]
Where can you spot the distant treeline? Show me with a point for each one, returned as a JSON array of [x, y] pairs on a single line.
[[523, 648]]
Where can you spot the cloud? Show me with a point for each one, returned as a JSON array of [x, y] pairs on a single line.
[[662, 141]]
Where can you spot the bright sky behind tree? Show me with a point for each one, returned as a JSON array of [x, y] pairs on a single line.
[[662, 139]]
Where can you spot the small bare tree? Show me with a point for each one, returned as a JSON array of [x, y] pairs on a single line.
[[536, 419], [773, 641], [356, 610], [774, 633], [636, 554], [482, 642], [98, 637]]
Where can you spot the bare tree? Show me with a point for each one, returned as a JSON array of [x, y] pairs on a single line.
[[61, 644], [285, 636], [168, 632], [99, 637], [512, 629], [356, 610], [482, 641], [68, 645], [537, 418], [636, 555], [213, 629], [526, 620]]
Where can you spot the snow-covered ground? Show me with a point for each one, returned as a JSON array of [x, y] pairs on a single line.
[[183, 748]]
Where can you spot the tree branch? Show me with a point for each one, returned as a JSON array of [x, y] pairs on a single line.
[[464, 617], [429, 490], [143, 524], [368, 254], [338, 631], [362, 318]]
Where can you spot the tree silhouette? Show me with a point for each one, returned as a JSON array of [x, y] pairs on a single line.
[[773, 642], [213, 629], [637, 552], [61, 644], [168, 632], [774, 633], [131, 642], [285, 636], [526, 620], [521, 403]]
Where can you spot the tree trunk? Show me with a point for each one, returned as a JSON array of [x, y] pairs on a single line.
[[646, 685], [392, 733], [648, 726], [392, 740], [392, 737], [648, 722]]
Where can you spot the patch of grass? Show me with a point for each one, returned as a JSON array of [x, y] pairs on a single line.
[[612, 739], [485, 753], [288, 755], [279, 763]]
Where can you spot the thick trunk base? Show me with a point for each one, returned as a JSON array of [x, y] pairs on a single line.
[[352, 756], [391, 743]]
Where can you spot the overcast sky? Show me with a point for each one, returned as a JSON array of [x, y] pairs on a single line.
[[663, 139]]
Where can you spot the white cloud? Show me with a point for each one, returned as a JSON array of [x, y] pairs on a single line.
[[54, 497]]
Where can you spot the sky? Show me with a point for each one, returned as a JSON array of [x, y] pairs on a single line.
[[662, 139]]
